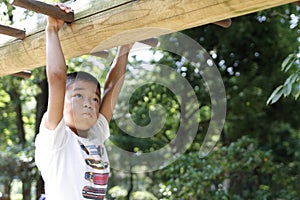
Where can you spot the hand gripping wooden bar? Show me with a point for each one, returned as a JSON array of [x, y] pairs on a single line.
[[17, 33], [46, 9]]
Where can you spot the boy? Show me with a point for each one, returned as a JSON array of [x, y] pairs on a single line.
[[69, 148]]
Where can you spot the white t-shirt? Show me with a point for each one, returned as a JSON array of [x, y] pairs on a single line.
[[71, 166]]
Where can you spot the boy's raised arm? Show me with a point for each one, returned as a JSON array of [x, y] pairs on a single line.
[[114, 82], [56, 71]]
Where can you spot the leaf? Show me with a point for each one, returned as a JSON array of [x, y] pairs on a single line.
[[296, 91], [291, 79], [287, 89], [288, 62], [288, 84], [277, 93]]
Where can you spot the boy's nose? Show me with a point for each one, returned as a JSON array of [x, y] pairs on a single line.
[[87, 103]]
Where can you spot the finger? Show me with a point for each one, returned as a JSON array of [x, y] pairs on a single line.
[[63, 7], [68, 10]]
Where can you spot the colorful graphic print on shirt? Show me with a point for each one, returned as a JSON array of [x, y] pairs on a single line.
[[89, 192], [98, 173]]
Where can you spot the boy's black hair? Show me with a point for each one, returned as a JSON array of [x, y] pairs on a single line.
[[81, 76]]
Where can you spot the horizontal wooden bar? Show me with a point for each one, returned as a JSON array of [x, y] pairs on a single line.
[[44, 8], [101, 54], [297, 3], [226, 23], [17, 33], [23, 74], [103, 24], [104, 54], [151, 42]]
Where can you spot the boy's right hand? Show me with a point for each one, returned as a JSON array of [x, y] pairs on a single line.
[[54, 23]]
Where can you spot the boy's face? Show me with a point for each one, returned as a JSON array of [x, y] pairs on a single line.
[[82, 103]]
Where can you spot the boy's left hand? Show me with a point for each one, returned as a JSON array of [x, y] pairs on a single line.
[[55, 23]]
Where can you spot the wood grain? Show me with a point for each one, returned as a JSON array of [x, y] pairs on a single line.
[[104, 24]]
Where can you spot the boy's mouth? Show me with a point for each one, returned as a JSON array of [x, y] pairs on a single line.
[[87, 115]]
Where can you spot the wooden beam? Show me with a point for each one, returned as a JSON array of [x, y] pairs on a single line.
[[101, 54], [13, 32], [151, 42], [103, 24], [226, 23], [23, 74], [41, 7], [104, 54], [297, 3]]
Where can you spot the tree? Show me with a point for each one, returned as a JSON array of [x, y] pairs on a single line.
[[239, 171], [8, 13], [16, 137], [250, 71], [290, 66]]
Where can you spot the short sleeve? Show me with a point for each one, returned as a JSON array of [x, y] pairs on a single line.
[[51, 139], [48, 142]]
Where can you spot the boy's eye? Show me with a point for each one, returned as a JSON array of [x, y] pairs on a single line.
[[78, 95], [96, 100]]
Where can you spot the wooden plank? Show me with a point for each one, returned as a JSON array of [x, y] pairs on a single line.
[[23, 74], [98, 27], [226, 23], [17, 33], [47, 9], [297, 3]]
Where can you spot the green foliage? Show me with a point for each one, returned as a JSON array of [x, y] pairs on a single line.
[[17, 150], [289, 140], [15, 162], [238, 171], [117, 192], [291, 86], [140, 195], [7, 14]]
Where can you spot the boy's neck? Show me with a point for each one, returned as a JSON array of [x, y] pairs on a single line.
[[80, 133]]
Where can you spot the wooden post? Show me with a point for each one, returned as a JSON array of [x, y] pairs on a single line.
[[46, 9], [17, 33]]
